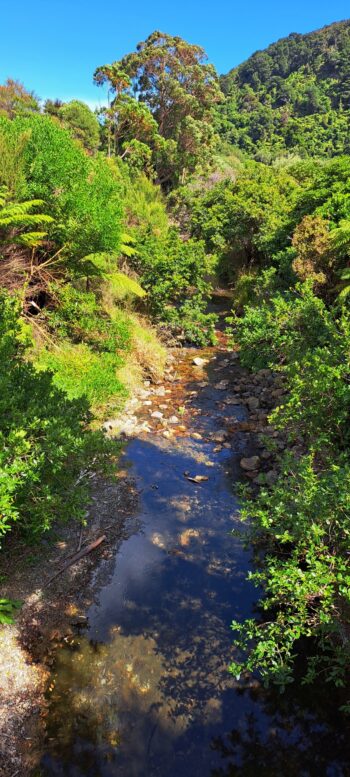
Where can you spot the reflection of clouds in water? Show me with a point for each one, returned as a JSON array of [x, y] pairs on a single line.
[[137, 561]]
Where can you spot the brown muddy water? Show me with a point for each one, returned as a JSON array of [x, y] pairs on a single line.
[[144, 689]]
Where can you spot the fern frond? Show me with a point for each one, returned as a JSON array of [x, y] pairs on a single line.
[[127, 247], [99, 263], [30, 239], [340, 236], [123, 286], [24, 220]]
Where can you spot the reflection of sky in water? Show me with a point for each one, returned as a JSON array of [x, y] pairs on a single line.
[[147, 691]]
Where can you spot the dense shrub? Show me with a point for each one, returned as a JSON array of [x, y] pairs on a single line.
[[44, 438], [303, 519], [80, 192], [281, 329]]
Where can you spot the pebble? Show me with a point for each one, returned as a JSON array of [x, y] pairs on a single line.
[[173, 419], [199, 362], [160, 392], [222, 385], [271, 477], [250, 464], [157, 414], [253, 403], [220, 436]]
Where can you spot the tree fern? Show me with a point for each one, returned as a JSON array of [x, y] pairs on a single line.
[[16, 217], [344, 286], [103, 265]]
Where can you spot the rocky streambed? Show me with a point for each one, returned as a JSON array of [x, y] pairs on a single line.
[[133, 644]]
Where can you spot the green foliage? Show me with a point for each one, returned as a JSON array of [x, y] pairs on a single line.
[[82, 122], [15, 100], [8, 608], [303, 520], [173, 273], [81, 193], [81, 372], [88, 346], [244, 221], [16, 217], [176, 90], [282, 328], [294, 96], [44, 440]]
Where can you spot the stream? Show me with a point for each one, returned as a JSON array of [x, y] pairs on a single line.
[[144, 688]]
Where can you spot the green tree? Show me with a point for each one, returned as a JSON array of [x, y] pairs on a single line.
[[173, 81], [83, 123]]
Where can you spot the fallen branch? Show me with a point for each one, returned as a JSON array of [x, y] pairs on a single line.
[[76, 557], [80, 539]]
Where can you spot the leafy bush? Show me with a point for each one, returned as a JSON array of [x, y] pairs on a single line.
[[80, 192], [81, 372], [44, 438], [303, 520], [283, 328]]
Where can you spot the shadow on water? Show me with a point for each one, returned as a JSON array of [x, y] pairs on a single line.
[[146, 689]]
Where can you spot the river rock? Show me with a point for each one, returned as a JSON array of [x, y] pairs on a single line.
[[253, 403], [220, 435], [222, 385], [232, 401], [250, 464], [271, 477], [199, 362], [160, 392], [157, 414], [173, 419], [264, 373]]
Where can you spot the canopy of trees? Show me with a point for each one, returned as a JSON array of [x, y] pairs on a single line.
[[294, 95]]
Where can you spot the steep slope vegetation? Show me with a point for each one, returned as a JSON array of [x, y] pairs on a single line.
[[293, 96]]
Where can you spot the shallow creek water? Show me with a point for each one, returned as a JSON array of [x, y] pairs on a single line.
[[145, 688]]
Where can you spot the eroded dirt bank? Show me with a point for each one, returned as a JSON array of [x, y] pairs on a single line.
[[138, 631]]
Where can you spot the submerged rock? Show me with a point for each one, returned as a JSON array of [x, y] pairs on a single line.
[[222, 385], [220, 435]]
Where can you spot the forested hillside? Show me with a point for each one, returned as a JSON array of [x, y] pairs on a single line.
[[114, 230], [294, 96]]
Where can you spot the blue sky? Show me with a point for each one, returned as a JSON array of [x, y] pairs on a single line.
[[53, 46]]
